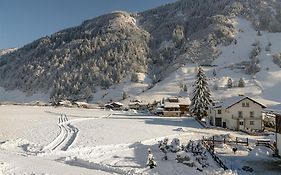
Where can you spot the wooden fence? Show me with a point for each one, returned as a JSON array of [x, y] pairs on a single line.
[[266, 142], [236, 141], [211, 150]]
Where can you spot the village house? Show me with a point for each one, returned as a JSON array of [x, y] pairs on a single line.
[[175, 106], [81, 104], [114, 106], [276, 110], [237, 113], [138, 105]]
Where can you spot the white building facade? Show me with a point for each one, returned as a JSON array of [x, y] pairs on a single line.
[[237, 113]]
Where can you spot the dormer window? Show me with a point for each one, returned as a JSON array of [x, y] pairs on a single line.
[[245, 105]]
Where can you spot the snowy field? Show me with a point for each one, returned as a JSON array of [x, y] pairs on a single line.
[[47, 140]]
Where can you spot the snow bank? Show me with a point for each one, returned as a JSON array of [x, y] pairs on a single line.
[[21, 145]]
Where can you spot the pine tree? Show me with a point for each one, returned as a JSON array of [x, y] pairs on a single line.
[[125, 95], [150, 160], [241, 83], [201, 95], [229, 83], [185, 88]]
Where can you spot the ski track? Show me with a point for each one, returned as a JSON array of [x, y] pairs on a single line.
[[68, 133], [66, 136]]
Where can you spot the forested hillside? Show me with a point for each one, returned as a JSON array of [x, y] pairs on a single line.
[[103, 51]]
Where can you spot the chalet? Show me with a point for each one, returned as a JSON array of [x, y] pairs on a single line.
[[276, 110], [81, 104], [237, 113], [171, 109], [138, 105], [65, 103], [114, 106], [175, 106]]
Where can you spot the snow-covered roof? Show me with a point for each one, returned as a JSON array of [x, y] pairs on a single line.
[[173, 99], [134, 103], [184, 101], [117, 103], [171, 105], [65, 102], [81, 103], [274, 109], [228, 102]]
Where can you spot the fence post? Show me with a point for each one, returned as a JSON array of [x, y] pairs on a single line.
[[247, 141], [224, 140], [214, 140], [236, 140]]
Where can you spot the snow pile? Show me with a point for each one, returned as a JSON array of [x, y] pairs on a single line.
[[21, 145], [3, 168], [74, 161], [260, 151]]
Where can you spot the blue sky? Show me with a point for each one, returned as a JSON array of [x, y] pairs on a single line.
[[22, 21]]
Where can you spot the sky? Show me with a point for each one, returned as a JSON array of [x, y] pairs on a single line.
[[22, 21]]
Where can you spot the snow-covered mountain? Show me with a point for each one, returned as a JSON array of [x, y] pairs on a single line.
[[7, 51], [99, 60]]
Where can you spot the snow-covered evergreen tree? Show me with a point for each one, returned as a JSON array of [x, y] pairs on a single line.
[[229, 83], [150, 160], [201, 95], [164, 147], [125, 95], [175, 145], [241, 83], [185, 88]]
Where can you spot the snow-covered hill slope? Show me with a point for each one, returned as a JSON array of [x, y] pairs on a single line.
[[265, 85], [187, 35], [267, 82]]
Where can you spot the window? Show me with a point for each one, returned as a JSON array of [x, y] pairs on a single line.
[[251, 122], [241, 123], [252, 114], [219, 111], [247, 105], [243, 104], [240, 114]]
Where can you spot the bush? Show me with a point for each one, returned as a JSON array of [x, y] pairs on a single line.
[[277, 59], [255, 52], [253, 67], [134, 77]]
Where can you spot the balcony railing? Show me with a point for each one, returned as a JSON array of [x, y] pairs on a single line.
[[246, 118]]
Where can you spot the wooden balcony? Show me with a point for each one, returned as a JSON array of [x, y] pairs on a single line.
[[246, 118]]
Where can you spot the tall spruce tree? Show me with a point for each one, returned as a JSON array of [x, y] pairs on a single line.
[[201, 96]]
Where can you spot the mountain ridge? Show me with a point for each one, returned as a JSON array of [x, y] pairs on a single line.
[[101, 52]]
